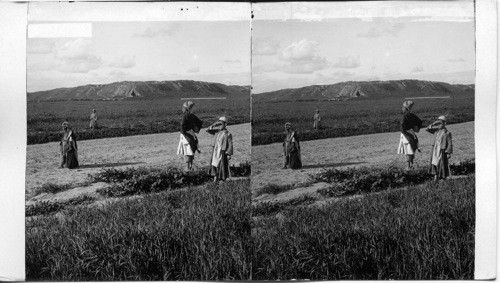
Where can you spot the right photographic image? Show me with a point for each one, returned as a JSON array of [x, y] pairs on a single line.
[[363, 150]]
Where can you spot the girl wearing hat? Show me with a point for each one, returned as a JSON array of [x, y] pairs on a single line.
[[222, 150], [442, 149], [190, 126], [291, 149], [410, 125], [69, 150]]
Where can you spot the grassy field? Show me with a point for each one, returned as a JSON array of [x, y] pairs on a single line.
[[208, 233], [425, 232], [351, 117], [195, 234], [125, 117]]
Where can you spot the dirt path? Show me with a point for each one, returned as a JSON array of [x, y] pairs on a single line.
[[42, 160], [368, 150]]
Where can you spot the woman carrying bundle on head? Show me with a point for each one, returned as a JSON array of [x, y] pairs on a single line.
[[69, 149], [442, 148], [190, 126], [291, 149], [410, 125], [222, 150]]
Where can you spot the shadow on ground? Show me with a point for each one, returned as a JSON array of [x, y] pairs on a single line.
[[108, 165], [330, 165]]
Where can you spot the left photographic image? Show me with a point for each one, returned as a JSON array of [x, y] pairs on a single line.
[[138, 147]]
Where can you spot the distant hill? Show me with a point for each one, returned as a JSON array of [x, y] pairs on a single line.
[[346, 90], [137, 90]]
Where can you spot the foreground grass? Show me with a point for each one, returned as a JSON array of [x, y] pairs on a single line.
[[425, 232], [207, 233], [199, 234]]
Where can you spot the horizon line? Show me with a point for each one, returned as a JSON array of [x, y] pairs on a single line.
[[250, 84], [133, 81], [474, 83]]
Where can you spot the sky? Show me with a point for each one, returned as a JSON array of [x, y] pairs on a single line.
[[296, 53], [213, 51], [268, 54]]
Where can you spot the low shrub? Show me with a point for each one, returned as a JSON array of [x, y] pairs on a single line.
[[47, 207], [273, 189], [463, 167], [149, 180], [242, 170], [142, 180], [51, 188], [367, 179], [267, 208]]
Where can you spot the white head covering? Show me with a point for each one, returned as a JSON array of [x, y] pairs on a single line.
[[408, 104], [442, 118], [188, 104], [223, 119]]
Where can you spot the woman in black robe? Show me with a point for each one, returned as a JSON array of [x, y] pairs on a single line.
[[410, 125], [69, 148], [291, 149], [190, 126]]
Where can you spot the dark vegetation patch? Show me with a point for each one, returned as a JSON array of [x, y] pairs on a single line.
[[273, 189], [125, 117], [47, 207], [267, 208], [144, 180], [351, 117], [463, 167], [368, 179], [51, 188]]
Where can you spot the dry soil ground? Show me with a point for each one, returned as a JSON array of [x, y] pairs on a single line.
[[159, 150], [368, 150], [155, 150]]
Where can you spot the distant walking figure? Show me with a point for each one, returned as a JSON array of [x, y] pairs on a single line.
[[442, 149], [291, 149], [410, 125], [222, 151], [93, 119], [190, 126], [317, 120], [69, 149]]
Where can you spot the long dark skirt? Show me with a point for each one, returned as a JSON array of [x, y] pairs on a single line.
[[193, 142], [221, 172], [70, 160], [442, 170], [294, 161]]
